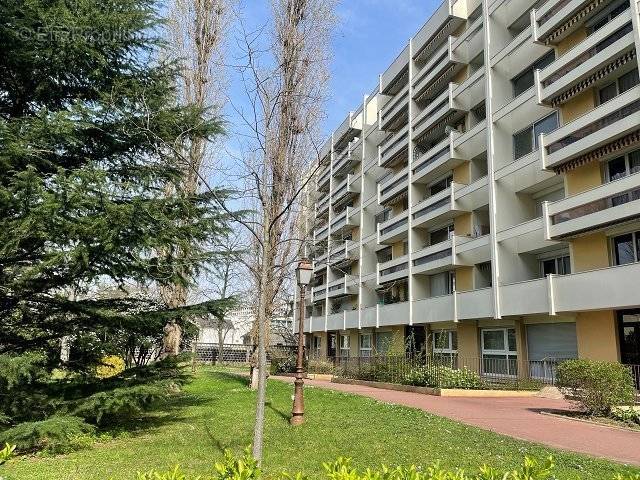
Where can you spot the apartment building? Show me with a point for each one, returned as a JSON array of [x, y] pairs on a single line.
[[484, 199]]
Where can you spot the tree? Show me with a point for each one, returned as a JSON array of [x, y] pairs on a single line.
[[196, 33], [284, 79], [86, 114]]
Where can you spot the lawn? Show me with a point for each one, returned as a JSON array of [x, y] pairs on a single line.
[[216, 413]]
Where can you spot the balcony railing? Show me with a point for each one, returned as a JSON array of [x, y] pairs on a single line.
[[394, 145], [394, 226]]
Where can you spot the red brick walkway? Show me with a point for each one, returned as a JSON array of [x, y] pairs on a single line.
[[517, 417]]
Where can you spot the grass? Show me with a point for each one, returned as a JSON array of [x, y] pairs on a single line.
[[216, 413]]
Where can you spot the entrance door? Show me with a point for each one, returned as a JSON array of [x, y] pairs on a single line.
[[332, 344], [629, 324]]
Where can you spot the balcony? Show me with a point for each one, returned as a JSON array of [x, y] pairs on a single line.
[[601, 132], [471, 143], [346, 161], [433, 258], [469, 197], [342, 287], [435, 209], [470, 92], [474, 304], [345, 190], [322, 206], [394, 149], [344, 254], [344, 221], [434, 309], [526, 298], [393, 269], [588, 63], [608, 204], [438, 71], [525, 237], [394, 229], [470, 250], [470, 43], [335, 321], [321, 234], [447, 18], [323, 179], [603, 289], [555, 20], [394, 75], [393, 314], [348, 129], [319, 292], [440, 112], [394, 188], [395, 108], [435, 162]]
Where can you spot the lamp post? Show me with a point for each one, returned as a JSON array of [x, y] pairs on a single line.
[[303, 277]]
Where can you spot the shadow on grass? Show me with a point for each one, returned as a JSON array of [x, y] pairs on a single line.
[[235, 379]]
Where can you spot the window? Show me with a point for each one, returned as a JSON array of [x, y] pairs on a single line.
[[499, 351], [365, 344], [345, 345], [383, 216], [622, 166], [606, 16], [441, 235], [621, 85], [524, 81], [526, 141], [558, 265], [383, 341], [442, 283], [626, 248], [317, 345], [445, 341], [440, 185]]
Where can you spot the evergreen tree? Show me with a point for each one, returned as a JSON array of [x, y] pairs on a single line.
[[89, 134]]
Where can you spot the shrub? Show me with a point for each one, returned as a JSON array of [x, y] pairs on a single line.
[[282, 363], [56, 434], [245, 468], [110, 366], [443, 377], [626, 414], [6, 453], [596, 386], [320, 366]]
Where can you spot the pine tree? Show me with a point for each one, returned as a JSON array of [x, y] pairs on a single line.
[[90, 135]]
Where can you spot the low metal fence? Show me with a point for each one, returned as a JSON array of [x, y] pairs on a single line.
[[233, 353], [449, 371]]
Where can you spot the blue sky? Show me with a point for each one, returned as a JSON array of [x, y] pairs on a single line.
[[369, 36]]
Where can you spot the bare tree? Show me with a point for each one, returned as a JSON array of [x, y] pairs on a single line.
[[285, 80], [196, 37]]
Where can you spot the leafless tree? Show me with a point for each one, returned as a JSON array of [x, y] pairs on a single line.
[[284, 74], [196, 35]]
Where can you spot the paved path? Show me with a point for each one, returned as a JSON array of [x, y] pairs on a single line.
[[517, 417]]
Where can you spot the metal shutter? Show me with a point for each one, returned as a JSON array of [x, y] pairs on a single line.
[[552, 341]]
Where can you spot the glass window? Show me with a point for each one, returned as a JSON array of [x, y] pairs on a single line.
[[524, 81], [511, 339], [522, 143], [565, 265], [445, 341], [634, 162], [493, 339], [546, 125], [607, 93], [623, 249], [383, 341], [628, 80], [441, 235], [365, 344], [440, 185], [549, 267], [616, 168], [345, 342]]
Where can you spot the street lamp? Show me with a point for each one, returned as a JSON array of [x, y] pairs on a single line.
[[303, 277]]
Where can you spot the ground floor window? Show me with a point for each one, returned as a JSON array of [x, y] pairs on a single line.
[[383, 342], [547, 345], [445, 345], [317, 345], [345, 345], [365, 344], [499, 352]]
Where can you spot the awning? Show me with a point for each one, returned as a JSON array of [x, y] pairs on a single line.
[[622, 143], [594, 77], [443, 32], [578, 17], [433, 85]]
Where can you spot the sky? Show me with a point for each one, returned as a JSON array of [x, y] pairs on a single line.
[[369, 36]]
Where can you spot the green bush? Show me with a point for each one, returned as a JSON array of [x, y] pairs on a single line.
[[626, 415], [320, 366], [596, 386], [56, 434], [6, 453], [246, 468], [282, 363], [443, 377]]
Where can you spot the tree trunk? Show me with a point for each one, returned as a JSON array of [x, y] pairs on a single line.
[[220, 341]]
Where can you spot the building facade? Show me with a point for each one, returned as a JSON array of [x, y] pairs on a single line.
[[484, 200]]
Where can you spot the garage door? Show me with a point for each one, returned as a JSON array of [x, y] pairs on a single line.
[[547, 343]]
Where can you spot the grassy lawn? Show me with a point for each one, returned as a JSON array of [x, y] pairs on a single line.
[[217, 413]]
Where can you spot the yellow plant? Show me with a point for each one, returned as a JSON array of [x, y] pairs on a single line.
[[110, 366]]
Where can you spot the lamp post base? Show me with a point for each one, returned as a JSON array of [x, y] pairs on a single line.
[[297, 413]]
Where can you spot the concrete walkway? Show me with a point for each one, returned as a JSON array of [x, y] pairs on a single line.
[[516, 417]]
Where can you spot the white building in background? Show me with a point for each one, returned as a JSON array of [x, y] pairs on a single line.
[[239, 322]]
